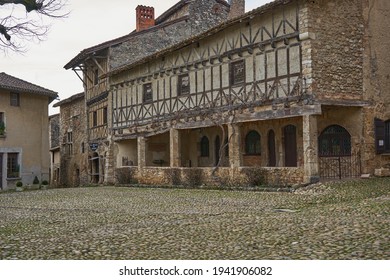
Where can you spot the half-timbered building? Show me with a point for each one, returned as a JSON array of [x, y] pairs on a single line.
[[292, 88], [185, 19]]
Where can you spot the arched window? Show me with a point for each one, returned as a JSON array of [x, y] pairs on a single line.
[[271, 148], [290, 146], [252, 143], [204, 147], [335, 140]]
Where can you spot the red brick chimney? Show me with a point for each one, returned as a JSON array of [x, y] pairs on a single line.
[[237, 8], [145, 17]]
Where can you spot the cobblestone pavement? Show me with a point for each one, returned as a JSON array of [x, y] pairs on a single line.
[[348, 220]]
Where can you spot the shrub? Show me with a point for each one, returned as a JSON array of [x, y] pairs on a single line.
[[36, 181], [19, 184], [45, 183]]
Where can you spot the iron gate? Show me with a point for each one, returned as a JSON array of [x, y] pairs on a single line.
[[339, 167]]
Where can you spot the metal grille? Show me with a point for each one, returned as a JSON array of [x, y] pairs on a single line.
[[340, 167]]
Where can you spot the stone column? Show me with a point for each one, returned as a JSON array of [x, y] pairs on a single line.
[[174, 145], [141, 142], [310, 149], [234, 135]]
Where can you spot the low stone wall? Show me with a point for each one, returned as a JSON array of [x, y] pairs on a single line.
[[224, 176]]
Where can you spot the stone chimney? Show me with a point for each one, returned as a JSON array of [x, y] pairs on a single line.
[[145, 17], [237, 8]]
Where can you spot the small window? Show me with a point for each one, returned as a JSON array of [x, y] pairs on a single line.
[[183, 86], [148, 93], [105, 115], [237, 73], [69, 140], [83, 148], [252, 143], [2, 124], [15, 99], [12, 165], [94, 119], [204, 147]]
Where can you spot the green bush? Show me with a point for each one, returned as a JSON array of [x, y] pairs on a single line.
[[45, 183], [19, 184]]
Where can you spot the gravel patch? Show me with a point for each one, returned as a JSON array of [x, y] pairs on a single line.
[[345, 220]]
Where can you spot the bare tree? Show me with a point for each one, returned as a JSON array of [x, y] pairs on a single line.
[[17, 27]]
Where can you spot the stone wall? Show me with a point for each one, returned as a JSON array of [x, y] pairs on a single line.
[[74, 152], [337, 48], [224, 177]]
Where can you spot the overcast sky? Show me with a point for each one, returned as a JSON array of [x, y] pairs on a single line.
[[90, 23]]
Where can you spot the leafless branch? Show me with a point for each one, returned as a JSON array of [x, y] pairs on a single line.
[[14, 30]]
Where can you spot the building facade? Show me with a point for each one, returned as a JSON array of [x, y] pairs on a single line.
[[295, 90], [24, 142], [73, 159], [183, 20]]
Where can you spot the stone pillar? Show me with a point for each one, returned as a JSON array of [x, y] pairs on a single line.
[[234, 135], [141, 142], [174, 145], [310, 149]]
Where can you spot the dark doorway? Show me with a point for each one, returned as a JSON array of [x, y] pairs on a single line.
[[271, 149], [290, 145], [94, 168], [217, 146], [1, 171]]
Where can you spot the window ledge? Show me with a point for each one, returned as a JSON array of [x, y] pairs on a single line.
[[14, 179]]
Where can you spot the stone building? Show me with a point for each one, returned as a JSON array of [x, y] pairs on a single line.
[[24, 142], [296, 90], [55, 155], [185, 19], [74, 170]]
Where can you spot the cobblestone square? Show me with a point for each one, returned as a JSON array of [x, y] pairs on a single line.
[[347, 220]]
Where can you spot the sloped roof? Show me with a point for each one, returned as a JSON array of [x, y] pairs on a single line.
[[160, 23], [256, 12], [70, 99], [11, 83]]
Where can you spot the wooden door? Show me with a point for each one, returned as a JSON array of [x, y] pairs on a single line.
[[271, 149], [290, 146]]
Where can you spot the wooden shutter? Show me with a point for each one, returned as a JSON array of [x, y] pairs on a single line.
[[379, 136]]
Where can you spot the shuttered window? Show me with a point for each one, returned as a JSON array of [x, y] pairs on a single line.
[[237, 73], [382, 136]]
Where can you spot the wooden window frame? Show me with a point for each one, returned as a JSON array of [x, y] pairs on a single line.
[[105, 115], [13, 165], [15, 99], [382, 136], [183, 90], [147, 96], [94, 119], [233, 70], [252, 144], [205, 147]]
